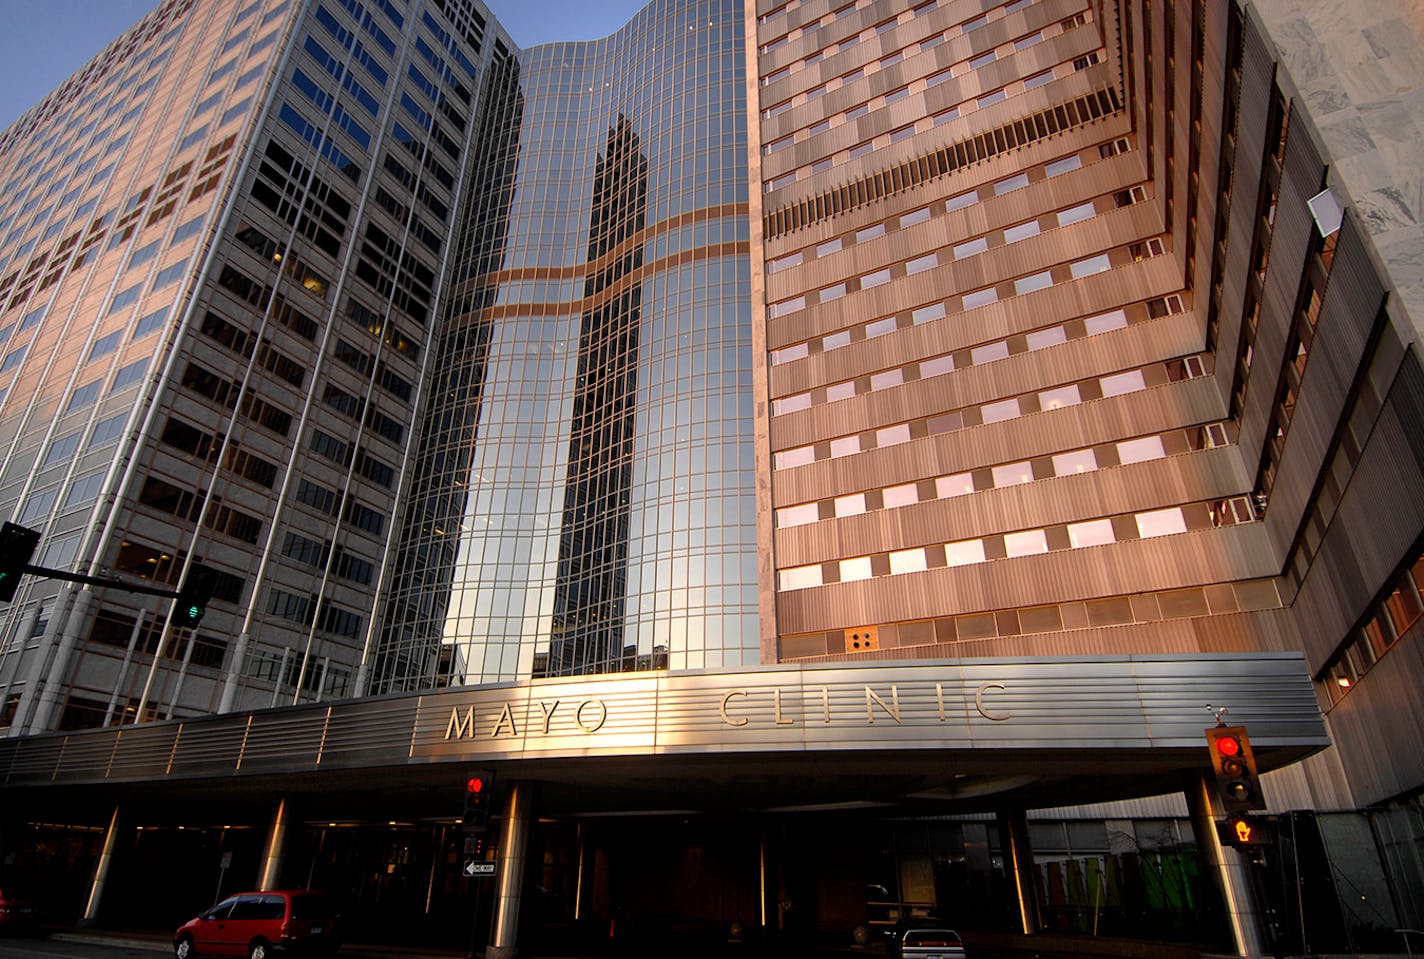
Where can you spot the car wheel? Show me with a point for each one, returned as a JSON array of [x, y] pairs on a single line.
[[259, 950], [183, 948]]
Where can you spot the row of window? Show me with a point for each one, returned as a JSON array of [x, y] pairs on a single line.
[[884, 26], [1076, 270], [1093, 532], [973, 356], [1071, 394], [959, 201], [956, 69], [284, 668], [1068, 463], [964, 107], [1384, 625]]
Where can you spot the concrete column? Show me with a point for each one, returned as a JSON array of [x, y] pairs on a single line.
[[513, 846], [18, 641], [272, 854], [72, 615], [1225, 863], [1018, 859], [101, 871], [585, 864], [237, 662]]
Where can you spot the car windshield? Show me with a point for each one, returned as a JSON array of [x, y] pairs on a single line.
[[931, 937], [313, 907]]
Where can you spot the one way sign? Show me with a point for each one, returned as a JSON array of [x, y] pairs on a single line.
[[475, 867]]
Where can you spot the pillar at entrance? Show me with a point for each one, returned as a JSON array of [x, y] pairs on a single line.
[[513, 843], [101, 871], [272, 855], [1225, 863], [1018, 859]]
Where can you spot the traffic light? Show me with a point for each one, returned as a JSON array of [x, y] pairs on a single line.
[[1235, 768], [1243, 831], [479, 796], [192, 603], [17, 545]]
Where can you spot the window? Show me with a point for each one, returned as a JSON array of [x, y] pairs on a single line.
[[797, 515], [908, 561], [1039, 339], [1162, 522], [144, 254], [124, 298], [1141, 450], [964, 552], [150, 322], [1059, 397], [852, 505], [1000, 411], [989, 352], [1072, 215], [1121, 383], [1092, 533], [13, 359], [1028, 284], [855, 569], [170, 274], [1093, 264], [1077, 461], [959, 484], [800, 577], [129, 375], [980, 298], [1013, 474], [61, 449], [106, 430], [105, 345], [972, 247], [84, 490], [896, 496], [1026, 543], [1021, 232], [193, 138]]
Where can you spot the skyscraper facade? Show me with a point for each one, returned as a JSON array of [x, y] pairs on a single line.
[[756, 348]]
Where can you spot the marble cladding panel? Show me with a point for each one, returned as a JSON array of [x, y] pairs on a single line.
[[1358, 65]]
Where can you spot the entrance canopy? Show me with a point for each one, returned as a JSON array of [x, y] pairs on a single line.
[[938, 736]]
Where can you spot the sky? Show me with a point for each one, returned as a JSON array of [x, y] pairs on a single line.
[[44, 41]]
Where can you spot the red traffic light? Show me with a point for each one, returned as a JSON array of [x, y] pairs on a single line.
[[1235, 769], [479, 794]]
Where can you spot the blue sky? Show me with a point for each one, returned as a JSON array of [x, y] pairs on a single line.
[[44, 41]]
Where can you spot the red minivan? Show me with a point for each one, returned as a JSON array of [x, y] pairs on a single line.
[[262, 925]]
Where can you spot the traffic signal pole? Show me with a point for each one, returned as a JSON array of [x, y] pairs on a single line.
[[1227, 865]]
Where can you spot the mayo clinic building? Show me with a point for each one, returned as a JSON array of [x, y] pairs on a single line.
[[829, 461]]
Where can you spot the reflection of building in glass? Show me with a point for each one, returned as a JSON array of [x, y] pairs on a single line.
[[593, 547], [595, 500]]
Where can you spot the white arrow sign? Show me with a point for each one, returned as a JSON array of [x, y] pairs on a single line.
[[474, 867]]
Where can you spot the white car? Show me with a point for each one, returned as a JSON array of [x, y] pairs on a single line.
[[930, 944]]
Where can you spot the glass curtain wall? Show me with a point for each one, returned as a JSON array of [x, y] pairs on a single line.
[[584, 500]]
